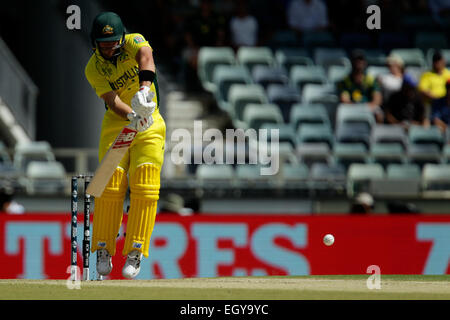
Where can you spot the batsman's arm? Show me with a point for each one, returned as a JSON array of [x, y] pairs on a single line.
[[116, 104], [144, 58]]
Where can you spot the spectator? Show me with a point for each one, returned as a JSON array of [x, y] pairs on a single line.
[[7, 202], [432, 83], [358, 87], [440, 110], [392, 81], [307, 15], [243, 27], [405, 107], [204, 29], [363, 203]]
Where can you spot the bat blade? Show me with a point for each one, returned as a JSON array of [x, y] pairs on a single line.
[[110, 161]]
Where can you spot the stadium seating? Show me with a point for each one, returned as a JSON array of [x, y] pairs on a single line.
[[421, 135], [265, 75], [239, 96], [385, 133], [295, 172], [411, 57], [346, 154], [218, 172], [24, 153], [315, 133], [301, 75], [284, 96], [337, 73], [224, 77], [286, 132], [359, 176], [208, 59], [45, 177], [422, 154], [314, 152], [327, 57], [403, 171], [288, 57], [436, 177], [308, 113], [356, 114], [253, 56], [255, 115], [387, 153]]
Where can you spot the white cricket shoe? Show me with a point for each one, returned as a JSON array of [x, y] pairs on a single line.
[[104, 262], [132, 265]]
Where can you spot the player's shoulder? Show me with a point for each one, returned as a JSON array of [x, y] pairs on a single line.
[[134, 38], [90, 66]]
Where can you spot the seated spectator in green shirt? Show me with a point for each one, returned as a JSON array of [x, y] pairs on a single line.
[[358, 87]]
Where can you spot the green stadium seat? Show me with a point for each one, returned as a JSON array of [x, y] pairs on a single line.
[[346, 154], [314, 152], [436, 177], [239, 96], [308, 113], [360, 175], [208, 59], [315, 133], [252, 56], [404, 171], [224, 77], [301, 75], [411, 57], [338, 73], [289, 57], [387, 153], [419, 135], [286, 132], [255, 115], [389, 133]]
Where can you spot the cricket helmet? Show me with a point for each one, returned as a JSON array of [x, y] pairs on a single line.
[[107, 26]]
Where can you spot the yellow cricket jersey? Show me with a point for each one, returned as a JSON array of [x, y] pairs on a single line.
[[434, 83], [121, 77]]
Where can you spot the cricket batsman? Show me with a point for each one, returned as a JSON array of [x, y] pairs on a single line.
[[122, 72]]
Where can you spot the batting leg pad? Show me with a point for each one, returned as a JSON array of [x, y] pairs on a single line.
[[144, 194], [108, 213]]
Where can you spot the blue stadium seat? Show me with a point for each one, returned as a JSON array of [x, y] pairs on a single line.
[[346, 154], [265, 75], [289, 57], [308, 113], [284, 96], [315, 133], [301, 75]]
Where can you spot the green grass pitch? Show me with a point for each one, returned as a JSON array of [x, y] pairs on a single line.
[[348, 287]]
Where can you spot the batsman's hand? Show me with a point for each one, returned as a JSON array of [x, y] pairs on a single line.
[[142, 102], [138, 122]]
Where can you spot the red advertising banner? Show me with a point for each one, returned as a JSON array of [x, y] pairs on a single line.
[[37, 246]]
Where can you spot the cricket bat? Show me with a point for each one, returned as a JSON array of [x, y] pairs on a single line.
[[110, 161]]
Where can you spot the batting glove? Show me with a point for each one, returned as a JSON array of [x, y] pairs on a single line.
[[142, 102], [138, 122]]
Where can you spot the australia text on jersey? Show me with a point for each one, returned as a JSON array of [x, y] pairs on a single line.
[[120, 82]]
